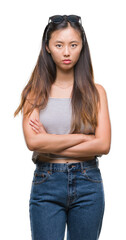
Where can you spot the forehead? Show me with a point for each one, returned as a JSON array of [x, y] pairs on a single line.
[[66, 34]]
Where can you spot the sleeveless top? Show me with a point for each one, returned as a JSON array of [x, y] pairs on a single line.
[[56, 119]]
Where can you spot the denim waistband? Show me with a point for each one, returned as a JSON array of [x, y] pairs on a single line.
[[65, 166]]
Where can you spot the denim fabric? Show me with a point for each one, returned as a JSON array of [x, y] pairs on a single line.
[[66, 193]]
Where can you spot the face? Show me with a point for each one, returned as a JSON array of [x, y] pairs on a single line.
[[65, 46]]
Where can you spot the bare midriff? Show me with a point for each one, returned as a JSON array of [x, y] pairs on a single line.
[[62, 160]]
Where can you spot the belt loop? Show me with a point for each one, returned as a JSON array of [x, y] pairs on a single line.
[[81, 163], [97, 161], [51, 167]]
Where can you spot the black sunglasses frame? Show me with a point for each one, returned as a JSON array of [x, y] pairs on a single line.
[[60, 18]]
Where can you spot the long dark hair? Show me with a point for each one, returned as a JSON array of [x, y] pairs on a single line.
[[85, 96]]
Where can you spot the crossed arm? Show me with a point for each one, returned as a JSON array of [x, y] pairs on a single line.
[[73, 145], [101, 142]]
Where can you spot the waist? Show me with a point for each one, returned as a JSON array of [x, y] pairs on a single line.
[[54, 158], [64, 166], [63, 160]]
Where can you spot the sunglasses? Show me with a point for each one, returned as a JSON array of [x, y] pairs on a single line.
[[70, 18]]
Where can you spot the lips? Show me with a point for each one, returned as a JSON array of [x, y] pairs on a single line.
[[66, 61]]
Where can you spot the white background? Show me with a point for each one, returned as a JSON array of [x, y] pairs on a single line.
[[21, 27]]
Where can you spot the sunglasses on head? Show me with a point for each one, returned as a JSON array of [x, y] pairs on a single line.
[[70, 18]]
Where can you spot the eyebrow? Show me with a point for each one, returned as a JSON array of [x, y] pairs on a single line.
[[62, 42]]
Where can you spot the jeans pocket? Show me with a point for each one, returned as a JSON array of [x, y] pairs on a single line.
[[92, 174], [40, 176]]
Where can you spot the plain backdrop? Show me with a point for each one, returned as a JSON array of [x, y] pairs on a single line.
[[21, 27]]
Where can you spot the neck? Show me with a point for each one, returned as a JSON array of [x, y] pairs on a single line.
[[64, 77]]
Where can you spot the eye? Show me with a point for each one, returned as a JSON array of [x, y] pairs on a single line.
[[59, 45], [74, 45]]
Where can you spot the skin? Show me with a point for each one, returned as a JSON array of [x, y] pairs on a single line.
[[67, 44], [63, 44]]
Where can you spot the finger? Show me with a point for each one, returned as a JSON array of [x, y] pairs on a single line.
[[31, 122], [37, 120], [35, 126], [39, 123], [35, 129]]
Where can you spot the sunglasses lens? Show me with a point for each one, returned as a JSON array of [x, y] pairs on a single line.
[[73, 18], [57, 19]]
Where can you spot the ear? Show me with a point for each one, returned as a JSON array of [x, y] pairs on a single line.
[[47, 49]]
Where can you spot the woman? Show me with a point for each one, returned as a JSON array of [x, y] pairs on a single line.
[[67, 126]]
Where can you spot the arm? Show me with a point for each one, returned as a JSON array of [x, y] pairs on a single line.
[[101, 143], [44, 142]]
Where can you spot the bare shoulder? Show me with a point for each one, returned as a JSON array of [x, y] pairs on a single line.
[[103, 96], [102, 93], [100, 88]]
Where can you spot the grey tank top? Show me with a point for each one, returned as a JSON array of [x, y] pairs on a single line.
[[56, 119]]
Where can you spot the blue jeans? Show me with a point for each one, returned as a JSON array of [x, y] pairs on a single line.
[[66, 193]]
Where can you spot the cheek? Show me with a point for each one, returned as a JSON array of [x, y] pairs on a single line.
[[77, 54], [55, 55]]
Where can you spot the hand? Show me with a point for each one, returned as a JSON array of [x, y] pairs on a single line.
[[37, 126]]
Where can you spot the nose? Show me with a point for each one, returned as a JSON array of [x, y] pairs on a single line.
[[66, 51]]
